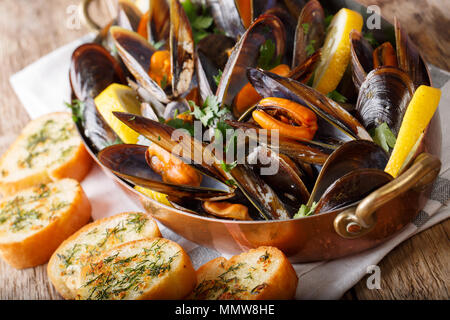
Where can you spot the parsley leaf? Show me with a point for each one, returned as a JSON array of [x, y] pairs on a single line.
[[218, 77], [336, 96], [371, 39], [200, 19], [267, 59], [383, 136], [77, 107], [227, 167], [305, 27], [310, 48], [158, 45], [181, 124], [210, 112], [305, 211]]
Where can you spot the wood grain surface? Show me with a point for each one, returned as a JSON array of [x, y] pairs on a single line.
[[417, 269]]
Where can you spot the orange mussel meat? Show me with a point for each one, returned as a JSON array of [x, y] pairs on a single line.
[[291, 119]]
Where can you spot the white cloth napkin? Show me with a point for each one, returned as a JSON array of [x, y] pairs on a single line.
[[43, 87]]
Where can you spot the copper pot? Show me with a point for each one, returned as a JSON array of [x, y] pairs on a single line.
[[325, 236]]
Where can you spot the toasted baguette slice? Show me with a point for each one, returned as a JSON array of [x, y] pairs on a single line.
[[259, 274], [143, 269], [49, 148], [90, 241], [34, 222]]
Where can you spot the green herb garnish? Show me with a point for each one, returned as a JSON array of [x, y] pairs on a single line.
[[336, 96], [383, 136], [137, 221], [227, 167], [200, 19], [305, 211], [230, 182], [267, 56], [77, 107], [210, 112], [158, 45], [305, 27], [371, 39], [310, 48], [218, 77], [180, 124], [111, 143]]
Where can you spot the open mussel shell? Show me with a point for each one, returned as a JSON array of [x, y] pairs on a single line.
[[136, 53], [310, 30], [259, 193], [290, 24], [181, 49], [302, 151], [245, 54], [409, 58], [212, 52], [158, 27], [226, 17], [180, 143], [335, 123], [351, 188], [295, 6], [128, 161], [129, 15], [92, 69], [357, 154], [384, 97], [304, 71], [281, 174], [361, 57]]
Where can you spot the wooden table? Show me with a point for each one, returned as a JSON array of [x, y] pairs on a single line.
[[417, 269]]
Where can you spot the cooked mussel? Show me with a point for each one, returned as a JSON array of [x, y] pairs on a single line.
[[155, 25], [384, 55], [186, 147], [384, 97], [180, 143], [245, 54], [158, 70], [226, 17], [295, 6], [129, 162], [361, 57], [334, 123], [353, 155], [351, 188], [282, 174], [310, 31], [129, 15], [92, 69], [410, 59]]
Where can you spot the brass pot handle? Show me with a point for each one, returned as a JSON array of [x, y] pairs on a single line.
[[357, 221], [83, 11]]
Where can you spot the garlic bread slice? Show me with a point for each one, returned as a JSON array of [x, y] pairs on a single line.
[[138, 270], [90, 241], [49, 148], [259, 274], [35, 221]]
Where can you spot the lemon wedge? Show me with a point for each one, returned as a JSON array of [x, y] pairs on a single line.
[[420, 110], [336, 50], [160, 197], [117, 97]]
